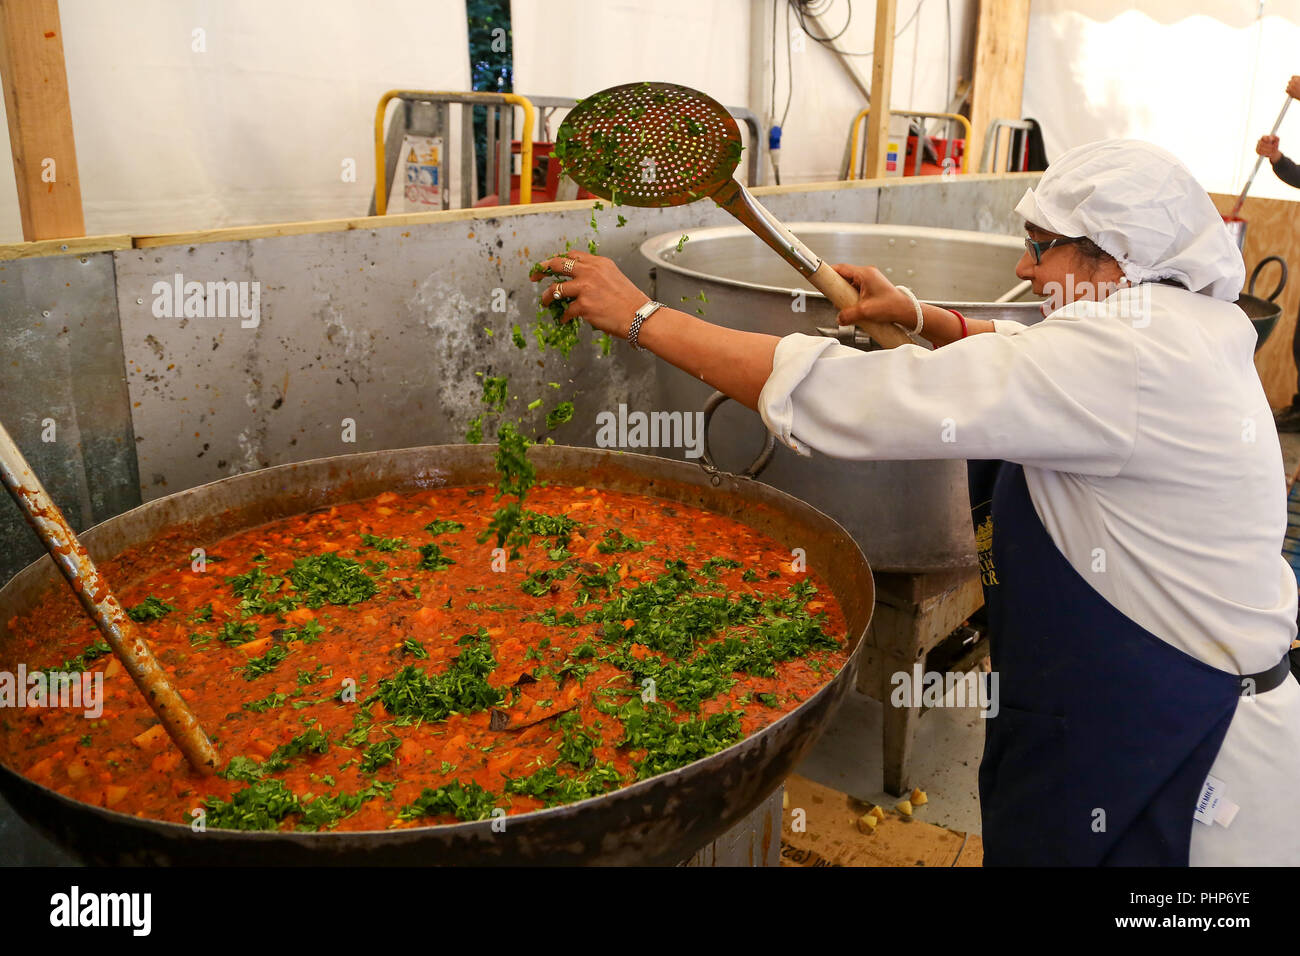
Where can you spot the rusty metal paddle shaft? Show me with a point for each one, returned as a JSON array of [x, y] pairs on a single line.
[[660, 144], [90, 587]]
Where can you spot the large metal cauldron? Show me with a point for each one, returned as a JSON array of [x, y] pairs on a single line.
[[657, 821], [906, 515]]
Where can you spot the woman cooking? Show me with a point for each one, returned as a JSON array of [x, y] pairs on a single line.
[[1127, 484]]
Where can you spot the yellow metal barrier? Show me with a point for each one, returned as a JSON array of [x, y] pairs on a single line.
[[447, 96], [861, 117]]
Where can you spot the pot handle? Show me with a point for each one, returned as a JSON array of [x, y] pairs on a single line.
[[1281, 284], [756, 466]]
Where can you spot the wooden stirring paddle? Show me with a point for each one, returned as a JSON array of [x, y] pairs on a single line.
[[90, 587]]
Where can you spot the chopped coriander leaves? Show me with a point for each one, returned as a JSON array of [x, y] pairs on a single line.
[[432, 558], [235, 632], [266, 703], [554, 788], [329, 579], [150, 609], [382, 544], [258, 666], [412, 694], [99, 648], [379, 754], [443, 526], [560, 414], [615, 541], [256, 591], [465, 802]]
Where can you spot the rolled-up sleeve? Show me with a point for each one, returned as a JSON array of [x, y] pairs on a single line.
[[1062, 394]]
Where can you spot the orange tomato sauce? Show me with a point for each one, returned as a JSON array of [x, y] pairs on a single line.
[[125, 762]]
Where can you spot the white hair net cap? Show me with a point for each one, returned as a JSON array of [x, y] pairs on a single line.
[[1143, 207]]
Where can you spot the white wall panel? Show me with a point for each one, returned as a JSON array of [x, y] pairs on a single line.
[[253, 130]]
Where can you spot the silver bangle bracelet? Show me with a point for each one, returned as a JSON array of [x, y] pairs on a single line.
[[916, 304]]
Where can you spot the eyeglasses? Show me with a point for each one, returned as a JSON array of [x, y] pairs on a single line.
[[1038, 248]]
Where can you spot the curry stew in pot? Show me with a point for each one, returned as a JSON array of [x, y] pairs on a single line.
[[382, 664]]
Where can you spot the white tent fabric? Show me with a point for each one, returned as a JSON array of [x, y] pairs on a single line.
[[255, 119], [1202, 79]]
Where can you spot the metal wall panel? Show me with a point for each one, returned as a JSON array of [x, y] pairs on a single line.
[[64, 364], [980, 204], [382, 326]]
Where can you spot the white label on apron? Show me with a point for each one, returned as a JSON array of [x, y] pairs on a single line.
[[1207, 804], [1212, 806]]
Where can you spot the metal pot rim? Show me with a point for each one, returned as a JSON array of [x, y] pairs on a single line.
[[656, 248]]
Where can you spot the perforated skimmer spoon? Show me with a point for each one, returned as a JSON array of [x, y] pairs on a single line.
[[659, 144]]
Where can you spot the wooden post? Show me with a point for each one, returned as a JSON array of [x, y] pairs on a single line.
[[882, 75], [998, 83], [40, 119]]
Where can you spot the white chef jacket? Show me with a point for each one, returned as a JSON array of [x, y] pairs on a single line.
[[1143, 432]]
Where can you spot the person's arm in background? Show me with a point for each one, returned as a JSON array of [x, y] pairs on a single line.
[[1269, 147], [1284, 167]]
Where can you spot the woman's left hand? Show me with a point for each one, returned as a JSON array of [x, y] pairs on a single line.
[[879, 300], [596, 290]]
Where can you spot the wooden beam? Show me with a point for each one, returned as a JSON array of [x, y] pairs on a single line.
[[40, 119], [63, 247], [882, 74], [1272, 232], [998, 84]]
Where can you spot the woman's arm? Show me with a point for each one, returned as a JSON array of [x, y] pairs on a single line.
[[734, 362], [737, 363], [881, 301], [1062, 397]]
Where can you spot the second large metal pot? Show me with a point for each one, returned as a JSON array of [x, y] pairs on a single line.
[[906, 515]]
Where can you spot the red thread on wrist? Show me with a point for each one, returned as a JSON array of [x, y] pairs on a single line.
[[962, 319]]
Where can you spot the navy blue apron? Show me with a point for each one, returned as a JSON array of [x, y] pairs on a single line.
[[1104, 733]]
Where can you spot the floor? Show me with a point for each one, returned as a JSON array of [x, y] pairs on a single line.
[[945, 762]]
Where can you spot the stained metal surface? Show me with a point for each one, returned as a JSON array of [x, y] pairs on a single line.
[[382, 326], [379, 331], [984, 204], [658, 821], [64, 380], [906, 516], [754, 841]]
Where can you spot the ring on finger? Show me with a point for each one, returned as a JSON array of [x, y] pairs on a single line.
[[568, 266]]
